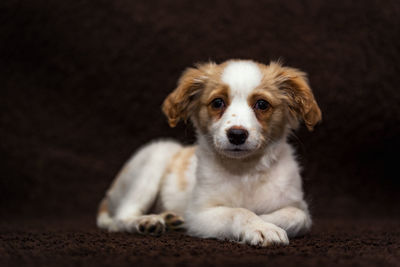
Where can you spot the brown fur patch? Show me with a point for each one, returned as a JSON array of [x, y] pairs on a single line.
[[103, 207], [178, 103], [303, 102], [261, 115], [214, 88], [272, 120], [182, 102], [221, 91], [290, 85], [179, 165]]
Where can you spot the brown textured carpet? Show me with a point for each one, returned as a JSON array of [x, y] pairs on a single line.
[[81, 83], [65, 243]]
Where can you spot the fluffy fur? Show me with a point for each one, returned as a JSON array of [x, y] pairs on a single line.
[[240, 182]]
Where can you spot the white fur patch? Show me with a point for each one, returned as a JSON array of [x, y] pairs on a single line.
[[242, 76]]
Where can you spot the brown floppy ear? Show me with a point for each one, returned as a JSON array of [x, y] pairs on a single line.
[[181, 103], [301, 101]]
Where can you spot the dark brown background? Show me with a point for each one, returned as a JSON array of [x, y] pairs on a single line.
[[81, 83]]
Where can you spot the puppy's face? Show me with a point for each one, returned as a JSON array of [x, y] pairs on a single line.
[[242, 106]]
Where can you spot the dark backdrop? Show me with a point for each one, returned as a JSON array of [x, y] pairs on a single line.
[[82, 82]]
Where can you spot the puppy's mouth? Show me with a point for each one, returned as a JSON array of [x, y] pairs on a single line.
[[237, 150]]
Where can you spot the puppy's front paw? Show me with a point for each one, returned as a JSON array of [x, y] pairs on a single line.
[[266, 234], [151, 225], [173, 221]]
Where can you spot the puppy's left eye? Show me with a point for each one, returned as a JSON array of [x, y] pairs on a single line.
[[261, 104]]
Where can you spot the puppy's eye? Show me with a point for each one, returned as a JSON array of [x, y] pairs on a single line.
[[261, 104], [218, 103]]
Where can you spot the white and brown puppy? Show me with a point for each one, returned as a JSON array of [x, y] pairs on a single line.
[[241, 181]]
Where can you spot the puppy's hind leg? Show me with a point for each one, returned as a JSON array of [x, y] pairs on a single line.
[[136, 188], [156, 224]]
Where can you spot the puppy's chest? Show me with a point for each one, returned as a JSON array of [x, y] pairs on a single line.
[[258, 193]]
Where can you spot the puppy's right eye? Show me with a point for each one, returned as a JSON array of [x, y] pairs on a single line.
[[218, 103]]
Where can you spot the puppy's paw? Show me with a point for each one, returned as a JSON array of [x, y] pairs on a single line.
[[150, 225], [266, 234], [173, 221]]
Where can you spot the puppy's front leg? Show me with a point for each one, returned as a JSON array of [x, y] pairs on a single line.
[[294, 220], [236, 224]]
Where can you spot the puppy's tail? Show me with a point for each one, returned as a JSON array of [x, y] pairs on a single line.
[[104, 220]]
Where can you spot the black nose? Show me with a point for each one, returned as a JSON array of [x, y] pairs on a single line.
[[237, 136]]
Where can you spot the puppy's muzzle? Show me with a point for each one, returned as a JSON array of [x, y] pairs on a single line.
[[237, 135]]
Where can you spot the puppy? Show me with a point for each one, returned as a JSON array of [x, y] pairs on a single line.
[[241, 181]]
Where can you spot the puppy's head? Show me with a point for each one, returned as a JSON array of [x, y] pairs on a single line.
[[241, 106]]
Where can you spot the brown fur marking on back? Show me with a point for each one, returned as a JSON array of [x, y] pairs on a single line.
[[179, 165], [103, 207]]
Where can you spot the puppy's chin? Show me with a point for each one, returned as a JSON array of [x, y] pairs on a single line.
[[229, 151], [236, 153]]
